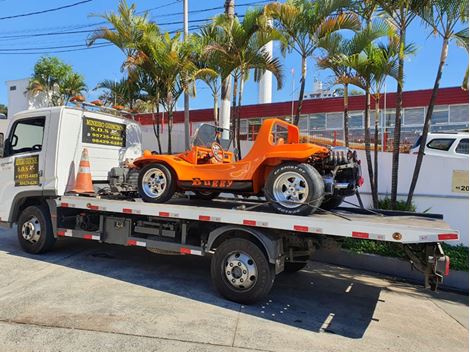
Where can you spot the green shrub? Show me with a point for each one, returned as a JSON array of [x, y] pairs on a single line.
[[386, 204], [458, 254]]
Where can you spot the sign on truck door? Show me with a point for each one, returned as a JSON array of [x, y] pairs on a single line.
[[23, 162]]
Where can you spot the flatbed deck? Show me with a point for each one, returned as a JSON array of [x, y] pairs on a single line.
[[405, 229]]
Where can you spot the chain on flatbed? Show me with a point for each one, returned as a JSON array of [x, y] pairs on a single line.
[[398, 229]]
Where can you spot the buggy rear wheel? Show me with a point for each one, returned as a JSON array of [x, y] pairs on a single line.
[[295, 189]]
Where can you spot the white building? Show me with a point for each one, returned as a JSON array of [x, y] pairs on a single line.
[[20, 99]]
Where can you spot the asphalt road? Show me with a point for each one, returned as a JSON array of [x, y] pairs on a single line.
[[86, 296]]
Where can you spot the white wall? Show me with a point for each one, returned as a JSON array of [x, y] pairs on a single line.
[[19, 99], [433, 191]]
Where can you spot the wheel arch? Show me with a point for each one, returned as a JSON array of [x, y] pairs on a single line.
[[25, 199], [270, 244]]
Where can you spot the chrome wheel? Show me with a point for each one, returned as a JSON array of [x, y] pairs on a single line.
[[31, 230], [290, 189], [154, 183], [240, 270]]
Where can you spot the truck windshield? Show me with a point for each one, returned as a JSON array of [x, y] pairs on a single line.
[[207, 134]]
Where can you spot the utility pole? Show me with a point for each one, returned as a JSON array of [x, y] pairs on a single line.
[[224, 119], [186, 95]]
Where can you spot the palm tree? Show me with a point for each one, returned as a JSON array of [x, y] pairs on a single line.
[[442, 16], [71, 85], [400, 14], [303, 23], [385, 64], [122, 92], [210, 60], [240, 46], [126, 32], [150, 88], [168, 59], [362, 64], [338, 49]]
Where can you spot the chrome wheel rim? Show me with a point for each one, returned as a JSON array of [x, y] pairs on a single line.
[[290, 189], [240, 270], [31, 230], [154, 183]]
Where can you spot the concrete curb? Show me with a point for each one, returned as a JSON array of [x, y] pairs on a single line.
[[456, 280]]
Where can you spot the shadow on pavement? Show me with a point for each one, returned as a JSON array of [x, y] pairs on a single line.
[[309, 300]]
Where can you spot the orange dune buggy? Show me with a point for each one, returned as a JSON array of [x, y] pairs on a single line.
[[296, 178]]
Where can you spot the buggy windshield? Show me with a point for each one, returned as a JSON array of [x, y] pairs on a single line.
[[207, 134]]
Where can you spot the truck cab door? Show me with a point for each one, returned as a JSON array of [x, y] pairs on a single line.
[[23, 162]]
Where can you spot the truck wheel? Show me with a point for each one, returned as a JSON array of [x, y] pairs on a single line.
[[331, 202], [35, 232], [206, 195], [290, 268], [156, 183], [241, 272], [295, 189]]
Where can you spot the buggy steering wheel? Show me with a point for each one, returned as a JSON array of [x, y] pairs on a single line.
[[217, 152]]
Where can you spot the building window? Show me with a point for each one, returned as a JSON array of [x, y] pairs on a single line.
[[303, 124], [440, 115], [458, 114], [356, 120], [334, 121], [414, 116], [317, 122], [462, 148], [12, 88], [253, 127], [390, 118]]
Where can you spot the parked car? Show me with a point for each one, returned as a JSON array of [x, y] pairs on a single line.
[[444, 144], [296, 178]]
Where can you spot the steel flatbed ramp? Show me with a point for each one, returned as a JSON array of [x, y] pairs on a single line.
[[399, 229]]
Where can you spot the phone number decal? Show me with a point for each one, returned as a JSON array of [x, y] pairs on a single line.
[[27, 171], [103, 132]]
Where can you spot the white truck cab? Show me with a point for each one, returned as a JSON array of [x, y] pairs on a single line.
[[41, 149]]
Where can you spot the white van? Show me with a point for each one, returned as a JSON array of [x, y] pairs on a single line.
[[444, 144]]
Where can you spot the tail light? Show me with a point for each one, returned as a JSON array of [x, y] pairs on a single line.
[[447, 267], [360, 181]]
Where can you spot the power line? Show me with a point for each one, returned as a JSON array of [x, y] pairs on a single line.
[[45, 11], [28, 51], [79, 26]]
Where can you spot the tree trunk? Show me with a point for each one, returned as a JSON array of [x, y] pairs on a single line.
[[367, 143], [232, 110], [427, 122], [224, 114], [170, 128], [397, 128], [302, 90], [239, 112], [156, 130], [376, 151], [216, 108], [346, 116]]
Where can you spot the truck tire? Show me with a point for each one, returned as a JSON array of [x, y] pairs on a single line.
[[241, 271], [295, 189], [331, 202], [156, 183], [35, 232]]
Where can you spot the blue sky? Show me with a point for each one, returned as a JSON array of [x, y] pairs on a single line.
[[104, 63]]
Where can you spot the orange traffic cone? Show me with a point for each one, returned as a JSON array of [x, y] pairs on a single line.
[[83, 182]]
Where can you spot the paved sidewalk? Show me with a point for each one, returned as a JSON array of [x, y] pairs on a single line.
[[86, 296]]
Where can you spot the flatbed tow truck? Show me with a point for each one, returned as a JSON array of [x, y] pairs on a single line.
[[248, 242]]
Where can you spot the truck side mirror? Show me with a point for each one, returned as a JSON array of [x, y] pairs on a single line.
[[2, 145]]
